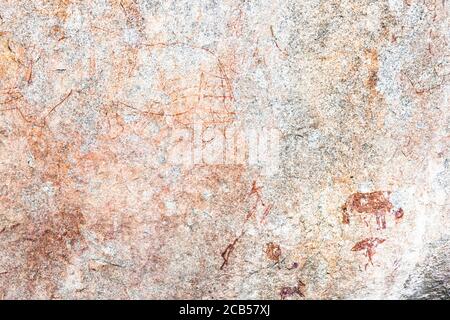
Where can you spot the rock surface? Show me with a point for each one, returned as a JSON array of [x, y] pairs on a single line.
[[224, 149]]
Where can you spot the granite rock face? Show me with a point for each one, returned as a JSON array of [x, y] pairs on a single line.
[[224, 149]]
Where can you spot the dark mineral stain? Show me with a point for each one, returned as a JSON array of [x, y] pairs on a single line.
[[430, 278]]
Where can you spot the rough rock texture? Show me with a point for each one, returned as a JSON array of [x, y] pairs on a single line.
[[119, 171]]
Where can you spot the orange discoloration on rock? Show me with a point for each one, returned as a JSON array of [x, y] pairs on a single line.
[[92, 207], [132, 13], [55, 8], [57, 33], [373, 72], [50, 232], [52, 156], [10, 61], [52, 244]]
